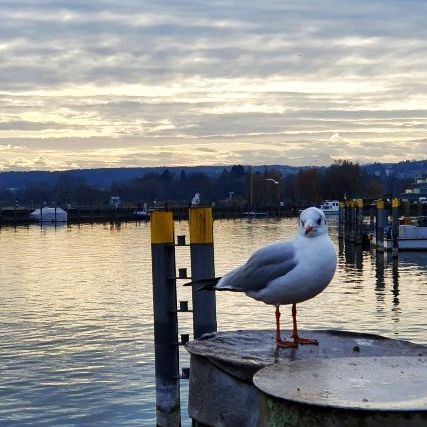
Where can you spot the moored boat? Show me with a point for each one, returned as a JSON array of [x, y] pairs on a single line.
[[412, 237], [330, 207]]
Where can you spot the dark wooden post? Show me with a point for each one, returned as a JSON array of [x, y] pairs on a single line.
[[347, 220], [379, 233], [341, 219], [395, 225], [165, 320], [202, 267]]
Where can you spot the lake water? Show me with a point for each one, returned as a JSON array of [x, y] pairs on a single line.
[[76, 326]]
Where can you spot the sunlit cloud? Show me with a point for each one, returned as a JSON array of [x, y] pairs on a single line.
[[169, 83]]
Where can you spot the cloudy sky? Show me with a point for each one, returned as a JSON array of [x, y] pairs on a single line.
[[108, 83]]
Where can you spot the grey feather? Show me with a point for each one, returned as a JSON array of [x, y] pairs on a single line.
[[263, 266]]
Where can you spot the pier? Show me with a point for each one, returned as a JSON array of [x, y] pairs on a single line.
[[96, 214]]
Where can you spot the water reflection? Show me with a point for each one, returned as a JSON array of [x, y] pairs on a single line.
[[76, 313], [395, 290]]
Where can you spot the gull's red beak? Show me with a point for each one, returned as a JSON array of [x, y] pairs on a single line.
[[308, 229]]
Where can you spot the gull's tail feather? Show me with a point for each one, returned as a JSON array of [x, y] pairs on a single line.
[[204, 284], [210, 285]]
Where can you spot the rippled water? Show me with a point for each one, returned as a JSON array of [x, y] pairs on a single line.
[[76, 314]]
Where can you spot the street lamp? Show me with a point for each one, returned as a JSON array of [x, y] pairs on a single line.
[[276, 183]]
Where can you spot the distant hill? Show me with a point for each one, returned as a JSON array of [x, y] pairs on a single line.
[[104, 177]]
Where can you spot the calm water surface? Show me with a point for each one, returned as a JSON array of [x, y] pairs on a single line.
[[76, 314]]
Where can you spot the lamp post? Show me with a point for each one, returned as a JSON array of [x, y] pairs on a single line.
[[276, 183]]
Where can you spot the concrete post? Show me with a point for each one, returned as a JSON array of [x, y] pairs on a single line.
[[202, 267], [395, 225], [379, 232], [165, 320]]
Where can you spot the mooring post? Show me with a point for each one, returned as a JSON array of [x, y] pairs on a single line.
[[354, 220], [202, 267], [165, 320], [372, 208], [359, 221], [346, 219], [341, 215], [395, 225], [419, 208], [379, 232]]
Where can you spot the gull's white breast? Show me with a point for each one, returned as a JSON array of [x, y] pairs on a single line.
[[316, 263]]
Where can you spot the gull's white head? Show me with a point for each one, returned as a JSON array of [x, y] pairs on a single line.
[[312, 223]]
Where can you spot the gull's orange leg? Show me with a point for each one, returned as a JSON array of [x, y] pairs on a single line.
[[295, 337], [279, 342]]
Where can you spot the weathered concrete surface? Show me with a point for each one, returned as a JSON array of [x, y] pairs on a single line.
[[374, 383], [223, 365], [210, 396], [242, 353], [376, 390]]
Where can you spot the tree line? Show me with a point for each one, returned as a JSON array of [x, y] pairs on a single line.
[[236, 186]]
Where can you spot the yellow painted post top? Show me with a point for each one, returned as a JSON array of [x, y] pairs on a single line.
[[395, 203], [359, 203], [162, 229], [201, 225], [380, 204]]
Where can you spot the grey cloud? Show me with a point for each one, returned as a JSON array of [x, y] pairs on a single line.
[[380, 48]]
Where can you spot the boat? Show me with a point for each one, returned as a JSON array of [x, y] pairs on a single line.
[[142, 213], [51, 215], [412, 237], [330, 207]]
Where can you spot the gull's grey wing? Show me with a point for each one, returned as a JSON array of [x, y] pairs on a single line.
[[263, 266]]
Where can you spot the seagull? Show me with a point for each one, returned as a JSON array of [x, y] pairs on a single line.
[[196, 200], [273, 180], [287, 272]]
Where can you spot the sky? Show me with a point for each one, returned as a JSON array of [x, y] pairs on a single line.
[[87, 84]]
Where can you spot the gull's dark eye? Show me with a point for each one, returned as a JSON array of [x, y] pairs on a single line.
[[319, 221]]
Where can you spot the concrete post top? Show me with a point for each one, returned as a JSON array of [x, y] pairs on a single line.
[[362, 383], [243, 353]]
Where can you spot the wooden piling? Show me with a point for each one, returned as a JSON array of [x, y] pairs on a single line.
[[347, 220], [379, 232], [202, 267], [165, 320], [395, 226], [341, 219], [372, 209], [358, 221]]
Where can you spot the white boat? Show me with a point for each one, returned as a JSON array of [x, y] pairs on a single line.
[[142, 214], [52, 215], [330, 207], [411, 237]]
